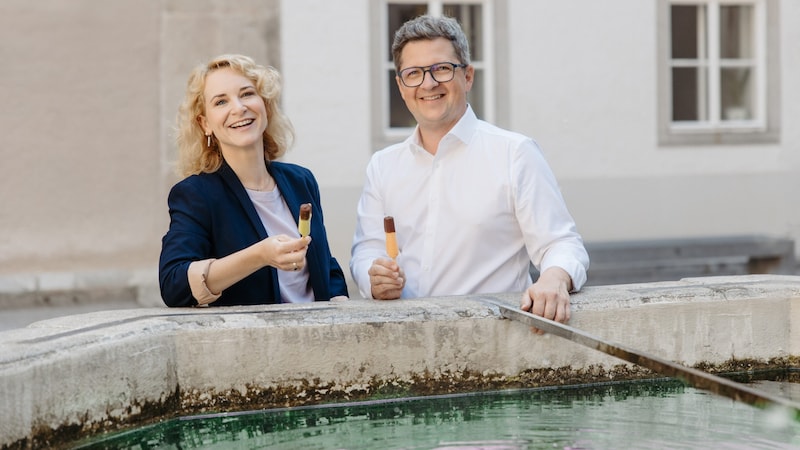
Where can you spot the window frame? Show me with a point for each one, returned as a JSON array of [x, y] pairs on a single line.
[[383, 132], [764, 127]]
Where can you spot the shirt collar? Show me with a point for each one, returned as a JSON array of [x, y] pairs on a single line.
[[463, 130]]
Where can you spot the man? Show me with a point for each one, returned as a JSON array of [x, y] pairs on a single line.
[[473, 204]]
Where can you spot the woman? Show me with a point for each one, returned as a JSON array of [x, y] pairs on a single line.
[[233, 237]]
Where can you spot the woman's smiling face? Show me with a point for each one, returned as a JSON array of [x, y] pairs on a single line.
[[235, 113]]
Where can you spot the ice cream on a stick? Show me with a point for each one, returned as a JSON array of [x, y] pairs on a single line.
[[304, 224], [391, 237]]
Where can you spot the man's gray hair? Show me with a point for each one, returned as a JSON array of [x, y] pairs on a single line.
[[428, 28]]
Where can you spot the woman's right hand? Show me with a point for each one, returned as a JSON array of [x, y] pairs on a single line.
[[284, 252]]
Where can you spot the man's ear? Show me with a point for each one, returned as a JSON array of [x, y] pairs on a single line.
[[400, 86], [469, 74]]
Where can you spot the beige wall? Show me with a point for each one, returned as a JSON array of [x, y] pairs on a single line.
[[90, 90], [80, 157]]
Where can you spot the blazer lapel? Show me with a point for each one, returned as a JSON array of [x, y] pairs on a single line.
[[287, 187], [233, 183], [295, 193], [230, 178]]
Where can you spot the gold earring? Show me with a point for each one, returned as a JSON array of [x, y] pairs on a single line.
[[208, 140]]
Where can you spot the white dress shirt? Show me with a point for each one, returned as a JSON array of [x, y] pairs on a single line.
[[469, 219]]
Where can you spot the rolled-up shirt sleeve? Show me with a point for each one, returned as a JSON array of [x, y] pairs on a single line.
[[198, 275]]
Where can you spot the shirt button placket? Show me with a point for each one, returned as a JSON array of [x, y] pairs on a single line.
[[434, 200]]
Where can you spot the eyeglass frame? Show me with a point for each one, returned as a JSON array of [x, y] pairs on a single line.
[[428, 69]]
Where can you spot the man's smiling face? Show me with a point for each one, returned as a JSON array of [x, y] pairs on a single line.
[[435, 106]]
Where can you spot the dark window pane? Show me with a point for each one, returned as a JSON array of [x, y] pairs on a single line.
[[399, 117], [685, 31], [400, 14], [471, 19], [736, 31], [687, 85]]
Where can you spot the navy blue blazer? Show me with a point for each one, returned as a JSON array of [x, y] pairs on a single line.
[[211, 216]]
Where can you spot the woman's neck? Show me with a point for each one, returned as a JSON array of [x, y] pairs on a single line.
[[250, 167]]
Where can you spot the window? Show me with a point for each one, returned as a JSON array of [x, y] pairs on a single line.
[[717, 71], [475, 19]]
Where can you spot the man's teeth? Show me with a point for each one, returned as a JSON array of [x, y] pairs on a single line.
[[242, 123], [432, 97]]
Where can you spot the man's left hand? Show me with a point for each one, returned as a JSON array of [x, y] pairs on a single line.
[[548, 297]]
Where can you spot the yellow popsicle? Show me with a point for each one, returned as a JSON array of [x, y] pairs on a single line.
[[391, 237], [304, 224]]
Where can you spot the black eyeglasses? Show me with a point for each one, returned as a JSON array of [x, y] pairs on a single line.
[[440, 72]]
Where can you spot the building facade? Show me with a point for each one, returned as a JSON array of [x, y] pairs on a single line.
[[661, 119]]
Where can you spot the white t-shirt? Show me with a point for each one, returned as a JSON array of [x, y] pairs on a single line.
[[277, 219]]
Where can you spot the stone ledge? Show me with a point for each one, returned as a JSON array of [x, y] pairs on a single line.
[[25, 290], [77, 375]]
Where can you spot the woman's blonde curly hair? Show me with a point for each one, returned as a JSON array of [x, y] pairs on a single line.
[[194, 155]]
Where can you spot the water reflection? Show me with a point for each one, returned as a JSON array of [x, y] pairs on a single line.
[[652, 414]]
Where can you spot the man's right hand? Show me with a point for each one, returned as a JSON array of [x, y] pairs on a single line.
[[386, 279]]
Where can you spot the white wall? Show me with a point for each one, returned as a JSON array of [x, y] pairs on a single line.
[[326, 65], [584, 86]]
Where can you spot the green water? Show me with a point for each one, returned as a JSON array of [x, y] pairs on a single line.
[[642, 415]]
